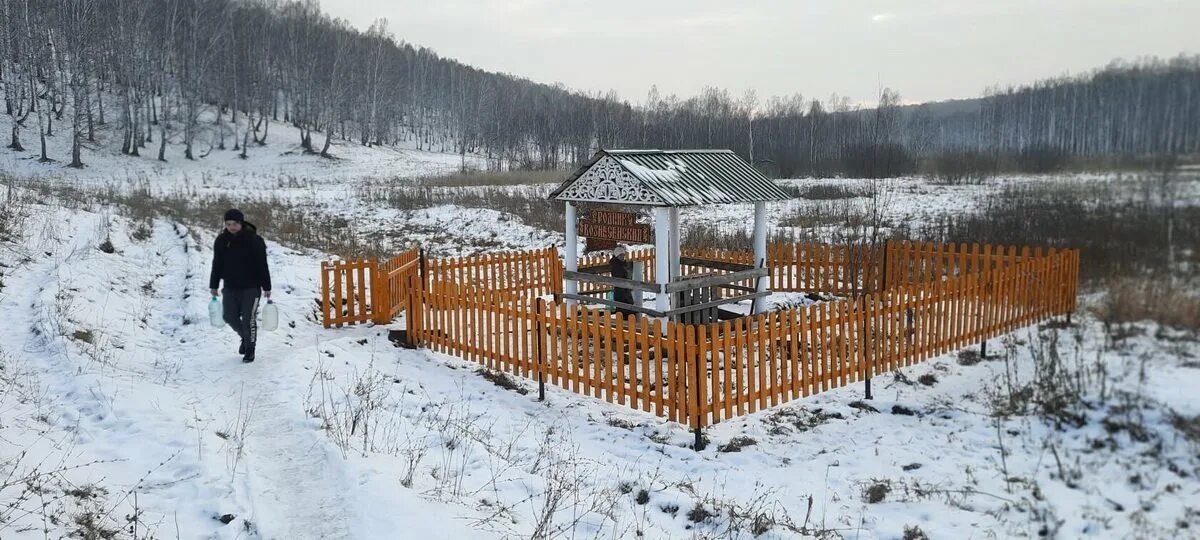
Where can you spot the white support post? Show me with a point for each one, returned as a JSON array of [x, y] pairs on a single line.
[[760, 252], [571, 258], [662, 256], [674, 243]]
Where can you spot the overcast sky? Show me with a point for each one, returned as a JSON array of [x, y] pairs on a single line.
[[927, 50]]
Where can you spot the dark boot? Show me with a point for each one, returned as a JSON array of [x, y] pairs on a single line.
[[242, 348], [248, 356]]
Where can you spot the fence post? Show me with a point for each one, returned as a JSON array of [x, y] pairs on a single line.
[[421, 266], [987, 298], [1068, 277], [983, 338], [325, 294], [416, 310], [690, 345], [381, 308], [539, 347], [883, 275], [868, 344]]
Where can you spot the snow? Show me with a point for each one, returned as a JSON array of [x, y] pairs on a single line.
[[111, 371], [670, 183], [778, 301], [172, 414], [654, 176], [280, 160], [162, 400]]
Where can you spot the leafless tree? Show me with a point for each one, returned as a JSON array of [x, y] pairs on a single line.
[[162, 65]]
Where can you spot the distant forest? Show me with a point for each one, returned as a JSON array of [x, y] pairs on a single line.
[[214, 75]]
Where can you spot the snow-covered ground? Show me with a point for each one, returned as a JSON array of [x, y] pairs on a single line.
[[115, 380], [122, 409]]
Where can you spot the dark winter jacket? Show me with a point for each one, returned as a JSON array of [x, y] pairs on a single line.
[[621, 269], [241, 260]]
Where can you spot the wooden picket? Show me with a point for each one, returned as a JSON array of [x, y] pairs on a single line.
[[390, 285], [363, 290], [342, 302], [907, 303], [532, 273], [825, 346]]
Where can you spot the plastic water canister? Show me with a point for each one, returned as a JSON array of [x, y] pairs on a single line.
[[270, 317], [214, 313]]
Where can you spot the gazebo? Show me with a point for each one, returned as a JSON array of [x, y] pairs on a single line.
[[665, 181]]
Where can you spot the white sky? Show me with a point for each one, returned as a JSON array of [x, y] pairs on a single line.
[[925, 49]]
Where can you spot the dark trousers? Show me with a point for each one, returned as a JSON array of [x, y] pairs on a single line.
[[624, 296], [240, 310]]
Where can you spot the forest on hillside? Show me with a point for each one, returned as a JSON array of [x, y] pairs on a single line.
[[215, 74]]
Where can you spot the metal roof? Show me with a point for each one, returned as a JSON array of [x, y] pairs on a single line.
[[671, 178]]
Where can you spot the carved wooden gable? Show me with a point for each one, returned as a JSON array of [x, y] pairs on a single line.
[[606, 181]]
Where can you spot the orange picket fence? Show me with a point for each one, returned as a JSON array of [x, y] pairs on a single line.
[[362, 290], [908, 302]]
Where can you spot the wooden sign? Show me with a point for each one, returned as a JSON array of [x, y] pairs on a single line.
[[611, 217], [592, 245], [615, 226], [638, 234]]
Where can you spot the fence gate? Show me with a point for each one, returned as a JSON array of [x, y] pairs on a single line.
[[361, 290]]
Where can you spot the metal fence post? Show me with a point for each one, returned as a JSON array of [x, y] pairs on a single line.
[[540, 347]]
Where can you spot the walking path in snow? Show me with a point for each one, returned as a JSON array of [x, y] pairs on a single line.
[[248, 440]]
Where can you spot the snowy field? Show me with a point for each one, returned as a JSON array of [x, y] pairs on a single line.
[[372, 191], [122, 410]]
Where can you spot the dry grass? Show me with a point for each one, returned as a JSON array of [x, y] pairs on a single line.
[[275, 217], [16, 208], [492, 178], [959, 168], [736, 444], [502, 379], [699, 236], [876, 491], [835, 212], [528, 203], [1134, 300], [1120, 230], [826, 192]]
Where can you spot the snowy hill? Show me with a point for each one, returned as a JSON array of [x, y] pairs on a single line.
[[122, 410], [281, 157]]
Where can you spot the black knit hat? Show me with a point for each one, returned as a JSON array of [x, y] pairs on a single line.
[[233, 214]]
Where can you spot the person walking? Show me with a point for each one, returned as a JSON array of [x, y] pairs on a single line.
[[240, 260]]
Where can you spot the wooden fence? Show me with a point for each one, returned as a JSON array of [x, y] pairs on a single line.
[[362, 290], [925, 300], [391, 290], [752, 363], [521, 273]]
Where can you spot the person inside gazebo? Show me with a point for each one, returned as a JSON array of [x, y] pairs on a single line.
[[623, 269]]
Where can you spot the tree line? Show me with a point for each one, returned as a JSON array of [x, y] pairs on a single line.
[[209, 75]]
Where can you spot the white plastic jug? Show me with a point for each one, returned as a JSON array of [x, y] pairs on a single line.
[[270, 316], [214, 313]]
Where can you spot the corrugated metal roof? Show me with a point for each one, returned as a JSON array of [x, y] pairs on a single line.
[[688, 177]]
